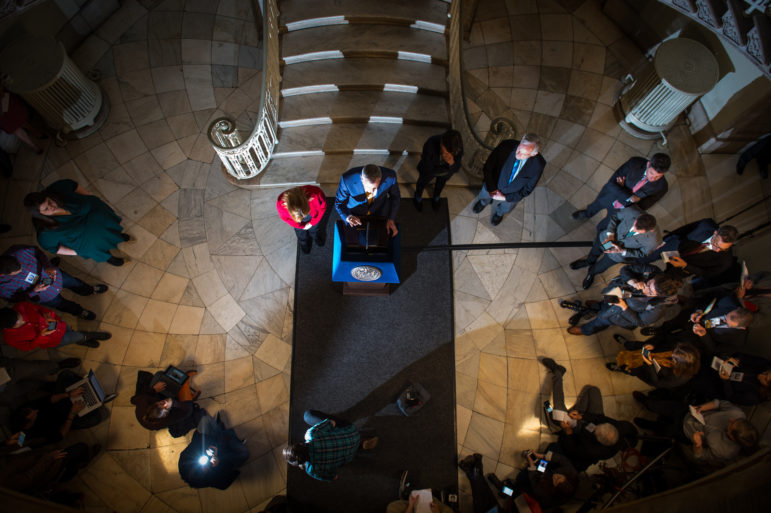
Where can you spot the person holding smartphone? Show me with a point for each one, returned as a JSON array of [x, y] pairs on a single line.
[[26, 274], [550, 478], [28, 326], [624, 236], [662, 369]]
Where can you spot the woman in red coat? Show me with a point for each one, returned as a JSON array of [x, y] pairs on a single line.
[[28, 326], [303, 208]]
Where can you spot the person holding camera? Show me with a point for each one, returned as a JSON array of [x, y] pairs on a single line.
[[27, 326], [549, 478], [639, 296], [26, 274], [214, 455]]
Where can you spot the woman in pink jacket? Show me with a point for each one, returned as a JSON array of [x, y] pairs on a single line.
[[303, 208]]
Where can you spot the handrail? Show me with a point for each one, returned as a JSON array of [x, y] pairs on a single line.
[[244, 160], [500, 127]]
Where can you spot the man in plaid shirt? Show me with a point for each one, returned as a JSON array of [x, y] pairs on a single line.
[[330, 443], [26, 274]]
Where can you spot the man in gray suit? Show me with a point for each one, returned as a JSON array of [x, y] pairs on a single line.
[[628, 235]]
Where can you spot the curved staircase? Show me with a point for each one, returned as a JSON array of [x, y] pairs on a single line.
[[363, 81]]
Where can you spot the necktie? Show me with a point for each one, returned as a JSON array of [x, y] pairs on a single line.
[[514, 170], [618, 205], [370, 198]]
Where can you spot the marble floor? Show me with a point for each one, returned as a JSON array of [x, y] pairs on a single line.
[[208, 281]]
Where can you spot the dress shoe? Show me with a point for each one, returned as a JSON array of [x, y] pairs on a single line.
[[471, 462], [100, 288], [436, 203], [578, 214], [87, 315], [578, 264], [588, 281], [69, 363], [99, 335], [553, 366], [496, 220], [571, 305], [575, 330], [478, 207], [88, 343], [649, 331], [418, 203], [648, 425], [621, 339], [117, 262], [125, 236], [575, 318]]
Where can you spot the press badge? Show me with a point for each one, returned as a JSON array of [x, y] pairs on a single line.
[[31, 278]]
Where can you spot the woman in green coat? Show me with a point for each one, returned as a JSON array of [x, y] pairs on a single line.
[[71, 221]]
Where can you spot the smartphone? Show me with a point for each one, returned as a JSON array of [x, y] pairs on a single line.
[[547, 406], [542, 465], [607, 245], [22, 436], [51, 325], [46, 280], [612, 300], [645, 352], [507, 491]]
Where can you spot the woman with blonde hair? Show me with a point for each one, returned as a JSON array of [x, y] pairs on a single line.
[[303, 208], [662, 369]]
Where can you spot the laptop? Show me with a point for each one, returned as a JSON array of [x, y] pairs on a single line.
[[93, 395], [174, 379]]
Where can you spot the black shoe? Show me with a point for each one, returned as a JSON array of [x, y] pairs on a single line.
[[87, 315], [621, 339], [640, 398], [571, 305], [580, 263], [496, 220], [88, 343], [69, 363], [613, 366], [553, 366], [100, 288], [99, 335], [645, 424], [649, 331], [436, 203], [470, 463], [417, 203], [578, 214], [478, 207], [125, 236], [575, 318], [117, 262], [588, 281]]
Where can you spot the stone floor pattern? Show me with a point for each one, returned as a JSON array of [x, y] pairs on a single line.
[[208, 281]]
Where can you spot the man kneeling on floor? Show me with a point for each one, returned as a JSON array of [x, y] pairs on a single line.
[[330, 443]]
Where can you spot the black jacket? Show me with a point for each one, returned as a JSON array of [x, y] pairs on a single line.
[[526, 179]]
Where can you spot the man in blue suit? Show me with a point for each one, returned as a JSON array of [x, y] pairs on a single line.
[[638, 181], [510, 173], [368, 190]]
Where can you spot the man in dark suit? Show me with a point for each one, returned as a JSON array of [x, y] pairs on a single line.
[[638, 181], [641, 296], [510, 173], [441, 158], [704, 250], [630, 234], [368, 190]]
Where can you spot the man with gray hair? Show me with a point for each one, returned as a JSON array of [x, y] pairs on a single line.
[[368, 190], [510, 173], [587, 435]]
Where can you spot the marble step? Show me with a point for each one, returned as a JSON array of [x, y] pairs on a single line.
[[326, 170], [432, 11], [351, 40], [357, 71], [350, 137], [342, 105]]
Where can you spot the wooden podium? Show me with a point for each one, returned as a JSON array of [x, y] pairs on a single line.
[[365, 258]]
